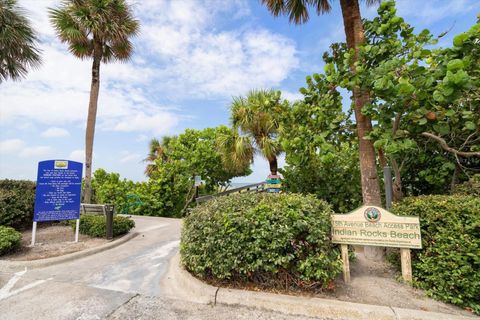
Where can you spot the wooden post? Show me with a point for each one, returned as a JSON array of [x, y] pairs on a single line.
[[346, 263], [406, 264]]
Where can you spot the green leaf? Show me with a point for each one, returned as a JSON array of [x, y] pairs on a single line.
[[450, 113], [455, 65], [470, 125], [437, 96], [459, 39]]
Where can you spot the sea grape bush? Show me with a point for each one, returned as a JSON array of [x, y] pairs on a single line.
[[448, 266], [261, 238]]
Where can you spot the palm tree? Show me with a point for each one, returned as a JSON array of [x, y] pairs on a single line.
[[18, 42], [255, 128], [297, 10], [97, 29], [157, 154], [236, 151]]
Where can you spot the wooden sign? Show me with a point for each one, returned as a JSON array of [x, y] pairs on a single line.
[[273, 184], [375, 226]]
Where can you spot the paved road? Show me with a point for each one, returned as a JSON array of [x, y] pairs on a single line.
[[121, 283]]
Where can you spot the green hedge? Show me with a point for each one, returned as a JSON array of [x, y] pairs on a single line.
[[262, 238], [17, 198], [9, 239], [448, 266], [95, 225]]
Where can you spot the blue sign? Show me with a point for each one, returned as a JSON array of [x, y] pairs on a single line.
[[59, 185]]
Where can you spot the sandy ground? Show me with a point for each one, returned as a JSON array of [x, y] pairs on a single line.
[[51, 241], [375, 283]]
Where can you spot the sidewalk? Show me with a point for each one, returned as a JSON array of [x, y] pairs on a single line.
[[182, 285]]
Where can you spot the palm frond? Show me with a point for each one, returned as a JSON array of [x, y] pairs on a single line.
[[297, 10], [18, 42], [104, 24]]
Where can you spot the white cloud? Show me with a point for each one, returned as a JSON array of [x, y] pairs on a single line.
[[18, 147], [158, 123], [37, 151], [55, 132], [130, 157], [11, 146], [77, 155], [205, 62], [291, 96], [58, 92]]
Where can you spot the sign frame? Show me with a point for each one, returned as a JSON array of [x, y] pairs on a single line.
[[372, 215], [58, 186]]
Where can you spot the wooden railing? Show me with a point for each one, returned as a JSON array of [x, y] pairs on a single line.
[[256, 187]]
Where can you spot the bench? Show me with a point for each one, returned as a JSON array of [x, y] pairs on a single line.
[[87, 208], [107, 210]]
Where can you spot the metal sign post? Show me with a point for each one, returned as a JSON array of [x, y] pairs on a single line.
[[34, 232], [77, 227]]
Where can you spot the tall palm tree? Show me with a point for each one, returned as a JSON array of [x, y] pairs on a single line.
[[101, 30], [157, 154], [18, 42], [255, 127], [298, 12]]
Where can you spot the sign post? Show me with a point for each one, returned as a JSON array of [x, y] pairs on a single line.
[[57, 196], [375, 226], [346, 263]]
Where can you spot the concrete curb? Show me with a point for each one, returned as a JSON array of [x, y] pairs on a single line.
[[6, 265], [182, 284], [178, 283]]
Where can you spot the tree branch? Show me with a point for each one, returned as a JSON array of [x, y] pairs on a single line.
[[445, 146]]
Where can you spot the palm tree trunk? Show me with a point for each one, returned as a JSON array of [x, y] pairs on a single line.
[[369, 178], [91, 119], [273, 165]]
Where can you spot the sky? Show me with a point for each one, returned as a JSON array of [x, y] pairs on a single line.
[[191, 57]]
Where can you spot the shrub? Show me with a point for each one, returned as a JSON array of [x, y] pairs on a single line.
[[470, 187], [264, 238], [17, 198], [448, 266], [9, 239], [95, 225]]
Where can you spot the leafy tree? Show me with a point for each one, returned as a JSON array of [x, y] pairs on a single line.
[[319, 140], [332, 177], [417, 92], [18, 42], [255, 125], [157, 154], [101, 30], [170, 188], [403, 78], [297, 10], [197, 151]]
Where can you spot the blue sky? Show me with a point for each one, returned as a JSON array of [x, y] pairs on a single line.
[[190, 58]]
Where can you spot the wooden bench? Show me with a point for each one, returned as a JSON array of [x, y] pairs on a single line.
[[96, 209], [107, 210]]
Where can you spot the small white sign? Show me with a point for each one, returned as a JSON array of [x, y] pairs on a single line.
[[198, 181]]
